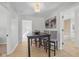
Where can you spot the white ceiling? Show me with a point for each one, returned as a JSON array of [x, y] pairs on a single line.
[[24, 8], [47, 8]]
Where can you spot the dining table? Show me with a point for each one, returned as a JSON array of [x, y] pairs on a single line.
[[31, 36]]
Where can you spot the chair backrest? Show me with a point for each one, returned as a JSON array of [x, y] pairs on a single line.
[[53, 35], [46, 31]]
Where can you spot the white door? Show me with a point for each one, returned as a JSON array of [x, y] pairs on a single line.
[[26, 28]]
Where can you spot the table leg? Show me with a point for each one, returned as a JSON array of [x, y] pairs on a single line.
[[31, 42], [40, 42], [35, 42], [48, 46], [28, 47]]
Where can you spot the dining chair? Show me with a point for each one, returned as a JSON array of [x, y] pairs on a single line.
[[36, 41], [53, 42]]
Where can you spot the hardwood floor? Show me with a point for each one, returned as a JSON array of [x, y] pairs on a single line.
[[70, 50], [3, 49]]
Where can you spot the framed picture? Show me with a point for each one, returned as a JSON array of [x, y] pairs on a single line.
[[50, 23]]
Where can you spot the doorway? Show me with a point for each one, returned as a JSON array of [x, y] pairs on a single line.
[[26, 28], [68, 42], [66, 33], [67, 28]]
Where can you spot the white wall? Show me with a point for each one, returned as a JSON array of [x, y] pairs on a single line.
[[37, 22], [3, 24], [20, 30], [77, 27], [9, 25], [13, 33]]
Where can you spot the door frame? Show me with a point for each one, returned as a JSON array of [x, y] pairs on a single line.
[[62, 29]]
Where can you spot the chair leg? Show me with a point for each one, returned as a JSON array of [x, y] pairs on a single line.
[[46, 46], [40, 42], [56, 45], [54, 49], [45, 43], [35, 42]]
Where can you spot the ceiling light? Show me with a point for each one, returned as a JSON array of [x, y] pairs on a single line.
[[37, 7]]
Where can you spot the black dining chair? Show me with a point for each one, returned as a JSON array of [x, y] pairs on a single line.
[[53, 42], [36, 41]]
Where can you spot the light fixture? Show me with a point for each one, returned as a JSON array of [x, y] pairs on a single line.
[[37, 7]]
